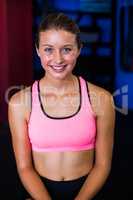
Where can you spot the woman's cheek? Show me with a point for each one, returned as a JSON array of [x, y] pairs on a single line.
[[71, 58], [46, 59]]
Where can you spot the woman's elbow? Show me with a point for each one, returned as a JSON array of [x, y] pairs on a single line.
[[24, 169], [104, 167]]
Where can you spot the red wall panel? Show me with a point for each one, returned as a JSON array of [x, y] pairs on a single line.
[[15, 47]]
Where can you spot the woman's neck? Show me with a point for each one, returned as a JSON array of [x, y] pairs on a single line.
[[58, 84]]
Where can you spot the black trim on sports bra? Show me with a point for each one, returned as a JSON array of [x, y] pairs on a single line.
[[88, 92], [42, 107]]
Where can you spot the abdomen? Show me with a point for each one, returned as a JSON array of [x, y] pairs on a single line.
[[63, 165]]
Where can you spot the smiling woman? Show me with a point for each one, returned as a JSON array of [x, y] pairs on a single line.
[[63, 133], [57, 57]]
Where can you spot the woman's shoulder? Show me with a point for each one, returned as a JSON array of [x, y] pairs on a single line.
[[100, 98], [97, 90], [21, 97], [20, 102]]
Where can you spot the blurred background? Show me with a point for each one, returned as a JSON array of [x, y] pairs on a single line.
[[106, 60]]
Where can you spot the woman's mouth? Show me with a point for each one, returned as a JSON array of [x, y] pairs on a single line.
[[58, 68]]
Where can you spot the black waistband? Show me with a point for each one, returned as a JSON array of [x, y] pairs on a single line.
[[65, 181]]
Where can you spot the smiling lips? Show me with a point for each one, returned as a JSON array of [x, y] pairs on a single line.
[[58, 68]]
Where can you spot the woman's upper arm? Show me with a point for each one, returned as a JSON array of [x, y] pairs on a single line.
[[105, 120], [105, 132], [19, 131]]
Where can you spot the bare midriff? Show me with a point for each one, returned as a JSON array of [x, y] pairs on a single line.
[[63, 165]]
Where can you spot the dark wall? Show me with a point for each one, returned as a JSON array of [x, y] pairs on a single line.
[[16, 47]]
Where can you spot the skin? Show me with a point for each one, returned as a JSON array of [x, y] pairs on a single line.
[[62, 165]]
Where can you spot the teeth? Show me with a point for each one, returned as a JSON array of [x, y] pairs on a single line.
[[58, 67]]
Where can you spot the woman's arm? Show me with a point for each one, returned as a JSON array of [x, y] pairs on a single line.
[[22, 149], [104, 108]]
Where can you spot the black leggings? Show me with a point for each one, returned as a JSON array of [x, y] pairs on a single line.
[[64, 190]]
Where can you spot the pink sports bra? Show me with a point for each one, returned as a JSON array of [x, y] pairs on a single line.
[[72, 133]]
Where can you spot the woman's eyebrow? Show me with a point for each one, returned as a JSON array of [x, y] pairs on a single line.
[[47, 45], [70, 45]]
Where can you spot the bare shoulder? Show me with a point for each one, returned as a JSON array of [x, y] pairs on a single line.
[[21, 102], [17, 97], [101, 99], [98, 90]]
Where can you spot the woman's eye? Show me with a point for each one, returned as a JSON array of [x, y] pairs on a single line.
[[66, 50], [48, 50]]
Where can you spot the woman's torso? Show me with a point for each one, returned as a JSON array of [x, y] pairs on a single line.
[[65, 165]]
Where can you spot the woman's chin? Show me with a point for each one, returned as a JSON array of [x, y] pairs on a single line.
[[59, 74]]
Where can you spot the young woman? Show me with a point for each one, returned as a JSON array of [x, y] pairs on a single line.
[[62, 131]]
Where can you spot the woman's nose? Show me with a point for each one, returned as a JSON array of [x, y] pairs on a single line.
[[58, 57]]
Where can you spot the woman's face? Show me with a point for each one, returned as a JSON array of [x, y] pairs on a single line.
[[58, 52]]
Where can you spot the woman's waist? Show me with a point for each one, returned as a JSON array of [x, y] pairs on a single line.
[[64, 175], [63, 167]]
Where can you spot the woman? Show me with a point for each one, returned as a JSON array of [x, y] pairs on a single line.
[[62, 131]]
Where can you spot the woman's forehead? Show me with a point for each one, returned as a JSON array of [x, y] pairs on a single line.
[[57, 36]]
